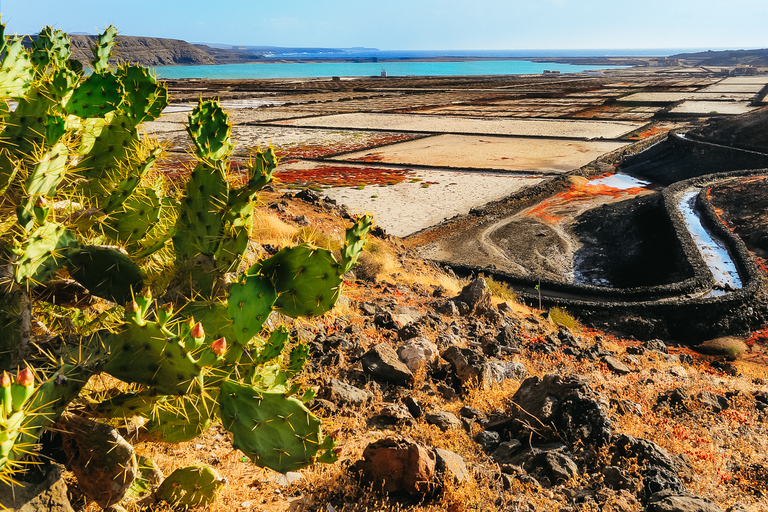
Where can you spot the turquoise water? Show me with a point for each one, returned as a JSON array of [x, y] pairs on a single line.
[[329, 69]]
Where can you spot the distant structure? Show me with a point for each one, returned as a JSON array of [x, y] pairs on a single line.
[[745, 70], [664, 62], [383, 73]]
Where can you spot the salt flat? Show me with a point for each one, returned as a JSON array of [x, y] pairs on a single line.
[[456, 124], [709, 107], [502, 153]]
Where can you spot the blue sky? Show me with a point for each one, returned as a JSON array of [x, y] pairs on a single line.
[[413, 24]]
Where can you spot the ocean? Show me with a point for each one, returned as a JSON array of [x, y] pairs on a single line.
[[276, 66]]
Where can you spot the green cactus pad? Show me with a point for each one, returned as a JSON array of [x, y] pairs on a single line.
[[135, 219], [307, 280], [126, 405], [106, 145], [355, 241], [191, 486], [274, 345], [43, 253], [145, 98], [210, 131], [180, 419], [103, 49], [106, 272], [96, 96], [213, 316], [200, 221], [296, 359], [273, 430], [63, 81], [50, 47], [16, 72], [26, 127], [42, 182], [249, 304], [147, 355], [235, 238]]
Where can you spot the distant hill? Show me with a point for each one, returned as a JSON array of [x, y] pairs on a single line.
[[156, 51], [727, 57]]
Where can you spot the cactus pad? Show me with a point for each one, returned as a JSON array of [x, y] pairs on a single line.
[[179, 419], [16, 71], [210, 131], [355, 241], [273, 430], [249, 305], [191, 486], [43, 253], [106, 272], [103, 49], [147, 355], [307, 280], [145, 98], [96, 96]]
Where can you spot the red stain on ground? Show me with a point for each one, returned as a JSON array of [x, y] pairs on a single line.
[[578, 193], [342, 176]]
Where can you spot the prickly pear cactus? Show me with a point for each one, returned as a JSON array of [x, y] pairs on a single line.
[[191, 486], [84, 210]]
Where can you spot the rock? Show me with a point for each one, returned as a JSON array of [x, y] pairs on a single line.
[[488, 440], [500, 372], [657, 479], [507, 450], [556, 467], [656, 345], [477, 296], [308, 195], [443, 420], [446, 307], [414, 407], [347, 394], [615, 365], [648, 453], [470, 367], [102, 461], [411, 330], [396, 413], [398, 464], [717, 403], [489, 345], [471, 412], [450, 463], [729, 346], [556, 407], [417, 353], [382, 363], [47, 493], [507, 336], [617, 478], [669, 501]]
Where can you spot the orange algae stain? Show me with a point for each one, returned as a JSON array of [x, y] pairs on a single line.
[[579, 193], [342, 176], [650, 132]]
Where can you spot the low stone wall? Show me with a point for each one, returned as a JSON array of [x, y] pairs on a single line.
[[667, 311]]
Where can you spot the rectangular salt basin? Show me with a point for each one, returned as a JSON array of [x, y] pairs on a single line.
[[709, 107], [655, 97], [732, 87], [455, 124], [406, 208], [502, 153]]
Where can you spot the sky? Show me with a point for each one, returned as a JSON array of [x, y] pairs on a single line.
[[412, 24]]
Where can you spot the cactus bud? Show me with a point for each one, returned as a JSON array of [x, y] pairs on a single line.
[[5, 395], [41, 202], [146, 293], [337, 451], [22, 389], [132, 307], [219, 346], [164, 313], [25, 378], [197, 331]]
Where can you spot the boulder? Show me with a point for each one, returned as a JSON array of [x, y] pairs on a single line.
[[398, 465], [450, 463], [48, 493], [555, 407], [382, 363], [443, 420], [417, 353], [342, 393], [477, 296], [670, 501]]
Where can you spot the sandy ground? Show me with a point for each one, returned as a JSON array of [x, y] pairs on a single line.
[[405, 208], [446, 124], [513, 154]]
